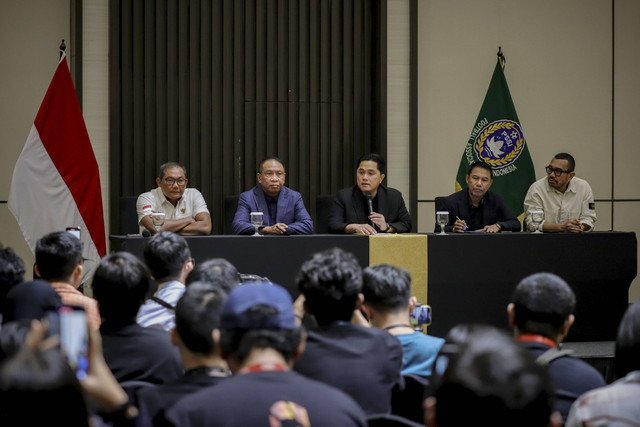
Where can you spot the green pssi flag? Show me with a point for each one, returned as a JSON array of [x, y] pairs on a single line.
[[496, 138]]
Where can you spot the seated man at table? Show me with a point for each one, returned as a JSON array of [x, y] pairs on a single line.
[[369, 207], [363, 362], [541, 314], [475, 208], [282, 208], [184, 208], [388, 304], [567, 201]]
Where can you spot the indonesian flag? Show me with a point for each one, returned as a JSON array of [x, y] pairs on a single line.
[[56, 183]]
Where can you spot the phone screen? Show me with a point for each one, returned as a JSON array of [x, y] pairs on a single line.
[[74, 338], [74, 230]]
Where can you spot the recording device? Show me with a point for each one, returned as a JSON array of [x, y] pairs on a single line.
[[70, 324], [74, 231], [421, 315], [369, 201]]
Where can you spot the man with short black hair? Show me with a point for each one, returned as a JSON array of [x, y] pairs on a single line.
[[197, 336], [475, 208], [168, 258], [185, 210], [541, 314], [216, 272], [133, 353], [59, 262], [283, 210], [363, 362], [11, 273], [489, 380], [567, 201], [260, 340], [369, 207], [388, 304]]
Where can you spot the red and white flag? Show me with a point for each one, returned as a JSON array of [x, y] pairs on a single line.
[[56, 183]]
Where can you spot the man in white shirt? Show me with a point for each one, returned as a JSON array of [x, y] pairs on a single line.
[[168, 258], [185, 210], [567, 201]]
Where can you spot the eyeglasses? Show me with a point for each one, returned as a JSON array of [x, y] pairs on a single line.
[[180, 181], [556, 172]]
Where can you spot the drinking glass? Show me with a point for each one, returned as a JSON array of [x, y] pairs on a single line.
[[256, 221], [442, 219], [158, 220], [536, 218]]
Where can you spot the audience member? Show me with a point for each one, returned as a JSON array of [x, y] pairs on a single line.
[[476, 208], [59, 262], [216, 272], [283, 210], [197, 336], [184, 208], [168, 258], [488, 379], [388, 304], [541, 314], [567, 201], [617, 403], [369, 207], [260, 340], [363, 362], [11, 273], [120, 284]]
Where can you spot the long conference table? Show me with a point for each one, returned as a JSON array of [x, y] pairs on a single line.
[[465, 278]]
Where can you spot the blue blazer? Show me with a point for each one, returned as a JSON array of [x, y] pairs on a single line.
[[291, 211], [494, 210]]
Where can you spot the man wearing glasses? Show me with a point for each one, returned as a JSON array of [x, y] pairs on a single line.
[[567, 201], [184, 208]]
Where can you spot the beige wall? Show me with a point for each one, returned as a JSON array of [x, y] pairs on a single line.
[[559, 70]]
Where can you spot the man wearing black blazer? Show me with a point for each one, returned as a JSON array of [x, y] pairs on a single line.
[[369, 207], [476, 208]]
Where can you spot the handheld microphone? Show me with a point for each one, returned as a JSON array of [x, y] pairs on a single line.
[[146, 233], [369, 201]]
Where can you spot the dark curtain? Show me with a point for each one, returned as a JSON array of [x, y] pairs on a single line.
[[219, 84]]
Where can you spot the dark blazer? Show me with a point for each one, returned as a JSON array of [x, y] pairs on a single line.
[[349, 208], [494, 210], [291, 211]]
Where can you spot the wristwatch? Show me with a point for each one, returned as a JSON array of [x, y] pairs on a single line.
[[388, 228], [499, 226]]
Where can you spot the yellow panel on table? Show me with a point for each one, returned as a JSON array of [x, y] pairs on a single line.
[[403, 250]]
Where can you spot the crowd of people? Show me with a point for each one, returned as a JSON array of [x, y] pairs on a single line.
[[183, 345], [369, 207]]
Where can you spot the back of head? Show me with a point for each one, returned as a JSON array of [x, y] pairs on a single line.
[[197, 315], [373, 157], [217, 272], [37, 387], [121, 283], [628, 342], [259, 316], [386, 288], [569, 158], [11, 272], [330, 281], [542, 303], [57, 255], [165, 254], [489, 377], [29, 301]]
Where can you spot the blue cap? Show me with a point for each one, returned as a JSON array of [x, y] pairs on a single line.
[[243, 297]]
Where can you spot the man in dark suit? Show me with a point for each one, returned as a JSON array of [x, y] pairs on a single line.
[[283, 209], [369, 207], [476, 208]]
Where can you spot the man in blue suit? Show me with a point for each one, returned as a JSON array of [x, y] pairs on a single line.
[[283, 209]]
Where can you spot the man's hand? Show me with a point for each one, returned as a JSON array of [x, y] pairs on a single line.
[[360, 229], [278, 228], [493, 228], [459, 226], [572, 226], [379, 220]]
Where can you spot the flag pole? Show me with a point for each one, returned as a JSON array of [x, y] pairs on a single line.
[[501, 57], [63, 48]]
